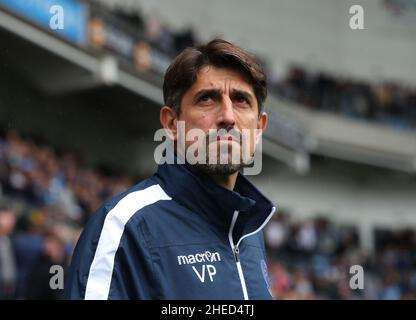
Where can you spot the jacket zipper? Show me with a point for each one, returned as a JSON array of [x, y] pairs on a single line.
[[236, 252], [236, 249]]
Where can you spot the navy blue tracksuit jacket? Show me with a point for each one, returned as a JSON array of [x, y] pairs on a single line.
[[176, 235]]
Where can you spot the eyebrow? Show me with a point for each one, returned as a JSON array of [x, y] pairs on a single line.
[[210, 92], [242, 93], [217, 93]]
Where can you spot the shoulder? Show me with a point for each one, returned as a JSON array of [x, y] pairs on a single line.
[[132, 202], [112, 229], [116, 213]]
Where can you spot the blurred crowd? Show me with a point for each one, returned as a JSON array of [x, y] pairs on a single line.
[[311, 259], [155, 30], [45, 198], [385, 102]]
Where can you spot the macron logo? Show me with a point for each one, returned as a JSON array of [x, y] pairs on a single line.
[[207, 256]]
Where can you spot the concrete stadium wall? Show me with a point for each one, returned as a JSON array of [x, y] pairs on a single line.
[[99, 132]]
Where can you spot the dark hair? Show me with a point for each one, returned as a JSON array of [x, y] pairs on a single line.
[[182, 73]]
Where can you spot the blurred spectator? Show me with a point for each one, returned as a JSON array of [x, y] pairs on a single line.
[[28, 246], [53, 254], [276, 232], [184, 39], [159, 35], [7, 259]]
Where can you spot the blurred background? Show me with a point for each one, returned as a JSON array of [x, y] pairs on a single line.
[[79, 107]]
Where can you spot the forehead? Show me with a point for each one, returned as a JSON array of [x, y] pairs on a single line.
[[211, 77]]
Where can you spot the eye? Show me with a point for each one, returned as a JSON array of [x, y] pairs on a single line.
[[206, 98], [241, 99]]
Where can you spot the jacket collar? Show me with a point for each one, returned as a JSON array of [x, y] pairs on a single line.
[[199, 193]]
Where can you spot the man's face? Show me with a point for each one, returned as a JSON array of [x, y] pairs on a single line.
[[223, 99]]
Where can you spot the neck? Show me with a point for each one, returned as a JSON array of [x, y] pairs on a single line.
[[226, 181]]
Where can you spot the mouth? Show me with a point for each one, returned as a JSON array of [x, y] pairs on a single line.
[[228, 140], [219, 138]]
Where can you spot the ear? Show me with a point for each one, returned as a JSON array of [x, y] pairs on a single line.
[[168, 119], [261, 125]]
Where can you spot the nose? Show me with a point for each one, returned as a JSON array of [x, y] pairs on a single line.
[[226, 117]]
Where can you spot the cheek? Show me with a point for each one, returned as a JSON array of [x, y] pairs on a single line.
[[247, 125], [199, 124], [203, 121], [249, 130], [246, 120], [249, 140]]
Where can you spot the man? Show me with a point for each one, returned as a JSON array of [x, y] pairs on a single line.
[[190, 231], [7, 258], [53, 254]]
